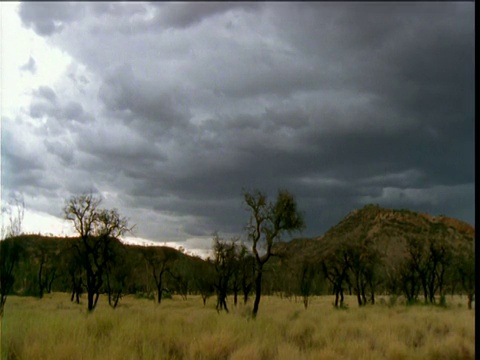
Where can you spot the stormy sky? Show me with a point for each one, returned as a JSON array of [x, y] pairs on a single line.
[[170, 111]]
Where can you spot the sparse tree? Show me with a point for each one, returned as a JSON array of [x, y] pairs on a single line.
[[47, 268], [16, 214], [204, 279], [116, 275], [246, 271], [98, 229], [74, 272], [224, 258], [335, 270], [464, 261], [268, 222], [159, 260], [10, 253], [305, 278], [181, 273], [10, 250], [363, 260], [425, 266]]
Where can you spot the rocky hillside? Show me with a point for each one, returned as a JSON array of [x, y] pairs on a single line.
[[387, 229]]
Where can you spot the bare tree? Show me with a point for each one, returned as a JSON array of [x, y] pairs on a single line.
[[98, 230], [10, 250], [268, 221], [224, 258], [159, 260], [16, 214]]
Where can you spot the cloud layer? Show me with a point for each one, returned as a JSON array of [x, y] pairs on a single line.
[[171, 110]]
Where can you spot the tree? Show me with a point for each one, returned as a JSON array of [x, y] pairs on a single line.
[[335, 269], [224, 258], [47, 267], [116, 274], [425, 265], [464, 261], [10, 250], [268, 222], [204, 278], [15, 214], [181, 273], [363, 261], [98, 230], [72, 266], [246, 269], [159, 259], [305, 279]]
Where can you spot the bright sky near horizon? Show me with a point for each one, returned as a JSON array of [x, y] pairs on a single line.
[[170, 110]]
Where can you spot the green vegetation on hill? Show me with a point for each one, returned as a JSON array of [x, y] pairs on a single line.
[[400, 252]]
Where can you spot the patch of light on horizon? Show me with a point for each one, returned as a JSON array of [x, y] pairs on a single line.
[[179, 245], [36, 222]]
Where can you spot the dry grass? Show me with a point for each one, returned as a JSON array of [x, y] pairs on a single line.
[[54, 328]]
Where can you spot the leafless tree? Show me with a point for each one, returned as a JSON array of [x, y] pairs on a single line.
[[98, 230]]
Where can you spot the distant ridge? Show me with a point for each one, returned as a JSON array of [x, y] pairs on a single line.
[[388, 229]]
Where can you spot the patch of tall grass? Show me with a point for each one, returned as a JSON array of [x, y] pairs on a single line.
[[55, 328]]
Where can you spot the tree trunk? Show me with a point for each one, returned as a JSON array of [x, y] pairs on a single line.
[[258, 292], [50, 282], [358, 291], [40, 281], [159, 293], [97, 294], [305, 301], [90, 300], [364, 297], [469, 301]]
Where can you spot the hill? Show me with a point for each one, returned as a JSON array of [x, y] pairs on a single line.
[[374, 249], [388, 229]]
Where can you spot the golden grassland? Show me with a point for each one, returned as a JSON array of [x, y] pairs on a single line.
[[55, 328]]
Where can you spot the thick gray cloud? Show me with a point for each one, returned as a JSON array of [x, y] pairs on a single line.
[[47, 18], [181, 107]]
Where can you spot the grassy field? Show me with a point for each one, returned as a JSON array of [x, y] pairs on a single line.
[[55, 328]]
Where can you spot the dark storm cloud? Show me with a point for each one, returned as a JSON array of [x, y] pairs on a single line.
[[45, 103], [63, 151], [183, 15], [124, 93], [341, 103], [47, 18]]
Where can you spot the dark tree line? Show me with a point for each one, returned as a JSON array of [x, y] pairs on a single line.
[[96, 262]]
